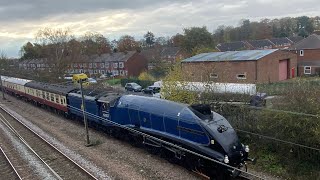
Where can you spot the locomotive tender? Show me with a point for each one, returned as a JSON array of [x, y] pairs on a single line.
[[193, 127]]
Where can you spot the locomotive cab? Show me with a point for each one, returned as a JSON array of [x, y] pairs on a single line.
[[106, 103]]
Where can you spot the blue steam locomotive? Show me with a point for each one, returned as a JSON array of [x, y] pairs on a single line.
[[193, 127]]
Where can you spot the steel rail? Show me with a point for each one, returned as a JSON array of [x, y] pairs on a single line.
[[9, 161], [47, 142]]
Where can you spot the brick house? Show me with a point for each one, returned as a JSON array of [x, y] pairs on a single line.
[[248, 66], [121, 64], [308, 52]]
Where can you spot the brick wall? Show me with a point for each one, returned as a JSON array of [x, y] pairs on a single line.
[[309, 55], [136, 64], [268, 66], [264, 70]]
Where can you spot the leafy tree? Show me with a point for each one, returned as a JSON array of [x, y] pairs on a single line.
[[95, 43], [202, 49], [175, 86], [196, 37], [145, 76], [127, 43], [177, 40], [149, 37], [29, 51]]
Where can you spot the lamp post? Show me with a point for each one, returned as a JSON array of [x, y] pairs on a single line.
[[83, 107], [2, 90]]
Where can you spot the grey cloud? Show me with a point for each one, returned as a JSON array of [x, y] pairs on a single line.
[[39, 9]]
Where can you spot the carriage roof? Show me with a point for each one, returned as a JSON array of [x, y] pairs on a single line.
[[53, 88]]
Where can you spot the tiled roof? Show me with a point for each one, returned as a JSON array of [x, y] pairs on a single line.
[[295, 39], [170, 51], [281, 41], [260, 44], [247, 55], [311, 42], [232, 46]]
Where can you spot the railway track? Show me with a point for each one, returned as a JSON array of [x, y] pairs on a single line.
[[56, 163], [7, 170]]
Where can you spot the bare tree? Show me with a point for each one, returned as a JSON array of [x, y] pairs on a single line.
[[55, 42]]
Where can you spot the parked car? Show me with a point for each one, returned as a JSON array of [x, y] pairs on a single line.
[[151, 90], [103, 76], [92, 81], [133, 87]]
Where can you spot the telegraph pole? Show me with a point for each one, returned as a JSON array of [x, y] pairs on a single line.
[[2, 90], [83, 107]]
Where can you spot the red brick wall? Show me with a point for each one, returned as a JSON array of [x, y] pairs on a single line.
[[310, 55], [261, 71], [268, 66], [136, 64]]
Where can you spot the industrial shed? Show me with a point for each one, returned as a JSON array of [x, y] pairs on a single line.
[[249, 66]]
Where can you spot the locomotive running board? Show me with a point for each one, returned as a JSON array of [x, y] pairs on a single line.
[[151, 142]]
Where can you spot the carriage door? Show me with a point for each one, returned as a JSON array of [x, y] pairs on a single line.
[[134, 115], [106, 110]]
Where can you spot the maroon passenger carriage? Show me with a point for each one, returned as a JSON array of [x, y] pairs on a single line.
[[14, 86], [50, 95]]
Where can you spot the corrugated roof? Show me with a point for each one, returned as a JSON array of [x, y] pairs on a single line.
[[247, 55]]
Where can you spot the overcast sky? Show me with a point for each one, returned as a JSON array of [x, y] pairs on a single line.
[[21, 19]]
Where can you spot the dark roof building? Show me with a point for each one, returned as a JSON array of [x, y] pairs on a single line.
[[248, 66], [295, 39], [281, 42], [261, 44], [232, 46]]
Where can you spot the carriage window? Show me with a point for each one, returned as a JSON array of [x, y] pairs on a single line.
[[57, 98], [52, 97], [48, 96], [61, 101]]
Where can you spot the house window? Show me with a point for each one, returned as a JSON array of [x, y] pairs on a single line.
[[213, 76], [81, 65], [107, 65], [307, 70], [102, 65], [74, 65], [301, 53], [95, 72], [242, 76], [90, 65], [121, 65], [102, 72], [115, 65], [84, 65], [95, 65]]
